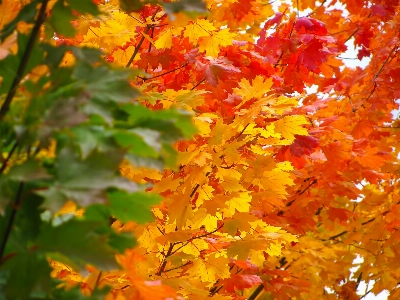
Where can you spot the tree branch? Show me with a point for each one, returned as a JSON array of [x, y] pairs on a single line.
[[164, 263], [338, 235], [256, 292], [24, 60], [10, 223], [137, 48], [5, 161]]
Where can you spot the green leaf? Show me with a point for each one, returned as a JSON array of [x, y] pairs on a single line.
[[97, 212], [36, 56], [121, 241], [28, 171], [198, 6], [84, 180], [76, 294], [133, 5], [88, 55], [7, 72], [136, 144], [24, 273], [79, 241], [66, 112], [147, 162], [85, 6], [26, 226], [104, 84], [169, 156], [173, 123], [132, 207], [96, 171], [54, 55], [85, 139], [60, 19]]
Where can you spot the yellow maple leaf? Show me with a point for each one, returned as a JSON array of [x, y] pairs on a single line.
[[256, 89], [195, 247], [268, 131], [198, 29], [148, 237], [231, 184], [276, 181], [164, 40], [240, 204], [168, 183], [183, 98], [232, 173], [280, 104], [205, 193], [203, 218], [121, 57], [210, 268], [203, 125], [290, 125], [211, 44]]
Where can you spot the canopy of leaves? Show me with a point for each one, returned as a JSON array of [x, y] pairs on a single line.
[[174, 149]]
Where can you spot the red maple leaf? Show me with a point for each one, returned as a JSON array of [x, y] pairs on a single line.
[[240, 282]]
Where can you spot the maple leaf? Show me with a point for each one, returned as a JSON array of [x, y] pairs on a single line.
[[258, 88], [211, 44], [240, 282], [278, 180], [164, 40], [198, 29], [240, 204], [183, 98], [290, 125], [211, 268]]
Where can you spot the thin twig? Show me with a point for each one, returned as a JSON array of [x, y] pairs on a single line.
[[184, 265], [200, 82], [196, 237], [165, 73], [280, 57], [310, 185], [318, 7], [355, 31]]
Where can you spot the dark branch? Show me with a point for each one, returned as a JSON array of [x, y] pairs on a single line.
[[24, 60], [10, 223], [256, 292]]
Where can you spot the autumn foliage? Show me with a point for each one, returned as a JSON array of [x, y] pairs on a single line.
[[259, 163]]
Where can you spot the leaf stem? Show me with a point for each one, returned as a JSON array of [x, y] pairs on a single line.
[[24, 60]]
